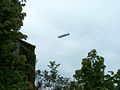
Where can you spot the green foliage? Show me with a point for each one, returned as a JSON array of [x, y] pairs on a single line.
[[109, 81], [11, 20], [53, 70], [91, 75], [51, 78], [29, 68], [117, 79], [12, 66]]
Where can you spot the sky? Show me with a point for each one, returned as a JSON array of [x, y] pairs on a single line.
[[92, 24]]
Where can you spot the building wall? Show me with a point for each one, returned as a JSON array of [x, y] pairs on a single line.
[[29, 51]]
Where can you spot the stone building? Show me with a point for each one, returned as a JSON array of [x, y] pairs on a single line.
[[28, 50]]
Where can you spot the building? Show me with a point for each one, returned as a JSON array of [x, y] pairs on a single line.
[[28, 50]]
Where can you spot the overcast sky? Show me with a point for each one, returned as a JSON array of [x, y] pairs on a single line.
[[93, 24]]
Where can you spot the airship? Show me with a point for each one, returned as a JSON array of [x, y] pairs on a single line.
[[63, 35]]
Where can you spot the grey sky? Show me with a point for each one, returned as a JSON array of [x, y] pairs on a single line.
[[92, 24]]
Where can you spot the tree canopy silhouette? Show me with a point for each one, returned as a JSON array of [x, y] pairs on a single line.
[[12, 65]]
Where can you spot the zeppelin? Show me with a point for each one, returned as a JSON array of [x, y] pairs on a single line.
[[64, 35]]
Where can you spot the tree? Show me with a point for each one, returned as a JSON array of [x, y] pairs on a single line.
[[91, 74], [12, 66], [53, 70], [117, 80], [51, 79], [109, 81]]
